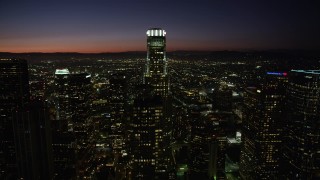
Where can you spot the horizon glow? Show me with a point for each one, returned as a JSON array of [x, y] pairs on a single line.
[[119, 26]]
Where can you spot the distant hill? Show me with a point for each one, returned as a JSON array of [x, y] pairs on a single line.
[[227, 55]]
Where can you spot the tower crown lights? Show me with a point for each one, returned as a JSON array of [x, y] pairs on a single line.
[[156, 32]]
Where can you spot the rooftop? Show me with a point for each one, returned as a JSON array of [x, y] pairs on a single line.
[[62, 71]]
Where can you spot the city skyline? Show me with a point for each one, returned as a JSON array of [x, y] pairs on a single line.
[[210, 116], [113, 26]]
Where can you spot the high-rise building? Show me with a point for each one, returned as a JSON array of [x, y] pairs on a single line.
[[150, 115], [79, 92], [117, 97], [15, 97], [63, 117], [63, 137], [218, 141], [302, 126], [21, 126], [72, 128], [155, 72], [262, 128], [146, 138], [199, 150], [222, 99], [39, 114]]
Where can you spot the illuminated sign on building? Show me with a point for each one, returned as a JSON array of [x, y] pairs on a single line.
[[278, 73], [307, 71]]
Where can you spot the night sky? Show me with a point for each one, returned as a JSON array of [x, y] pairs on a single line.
[[120, 25]]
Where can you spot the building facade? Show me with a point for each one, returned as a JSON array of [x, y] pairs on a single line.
[[150, 114], [21, 126], [72, 149], [262, 128], [302, 126], [155, 73]]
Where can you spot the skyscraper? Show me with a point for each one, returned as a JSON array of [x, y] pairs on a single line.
[[150, 116], [155, 72], [14, 94], [262, 128], [20, 128], [39, 115], [79, 92], [117, 96], [63, 137], [62, 99], [146, 139], [222, 99], [72, 128], [302, 126]]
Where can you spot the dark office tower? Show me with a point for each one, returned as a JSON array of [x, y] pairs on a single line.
[[221, 125], [199, 150], [63, 138], [72, 128], [39, 113], [72, 98], [17, 138], [302, 125], [149, 147], [217, 154], [218, 124], [222, 99], [117, 96], [262, 128], [62, 100], [79, 92], [37, 89], [146, 134], [155, 72]]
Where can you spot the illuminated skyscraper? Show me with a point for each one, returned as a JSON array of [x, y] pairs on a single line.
[[262, 128], [146, 138], [150, 116], [156, 67], [302, 126]]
